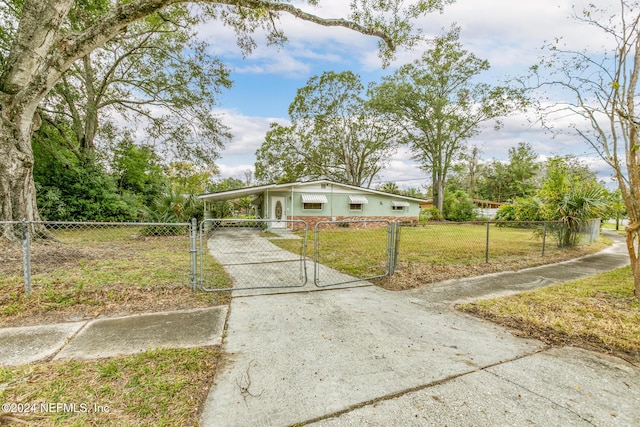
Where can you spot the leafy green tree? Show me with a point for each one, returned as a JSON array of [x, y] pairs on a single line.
[[562, 175], [615, 207], [223, 209], [279, 159], [600, 85], [189, 177], [156, 74], [138, 170], [459, 207], [493, 183], [39, 44], [522, 171], [472, 170], [389, 187], [412, 192], [70, 190], [333, 134], [570, 193], [516, 178], [173, 206], [439, 105], [577, 206]]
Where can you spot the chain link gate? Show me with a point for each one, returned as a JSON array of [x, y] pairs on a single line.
[[245, 254], [349, 251], [239, 254]]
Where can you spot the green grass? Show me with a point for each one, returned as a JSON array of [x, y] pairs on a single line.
[[158, 387], [433, 252], [612, 226], [600, 311], [94, 271]]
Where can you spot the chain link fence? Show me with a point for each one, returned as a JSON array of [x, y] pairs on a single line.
[[77, 255], [254, 253], [226, 254], [352, 250], [433, 251]]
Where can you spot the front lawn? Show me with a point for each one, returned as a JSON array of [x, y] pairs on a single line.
[[85, 272], [435, 252]]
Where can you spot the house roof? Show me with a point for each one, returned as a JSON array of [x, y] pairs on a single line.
[[257, 190]]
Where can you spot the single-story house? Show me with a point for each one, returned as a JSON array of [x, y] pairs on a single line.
[[320, 200]]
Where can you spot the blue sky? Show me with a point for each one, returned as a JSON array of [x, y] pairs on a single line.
[[508, 33]]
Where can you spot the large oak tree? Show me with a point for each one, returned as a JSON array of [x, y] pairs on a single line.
[[156, 75], [439, 104], [42, 46], [332, 135]]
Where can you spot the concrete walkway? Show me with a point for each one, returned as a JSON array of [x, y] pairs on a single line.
[[259, 267], [106, 337], [366, 356]]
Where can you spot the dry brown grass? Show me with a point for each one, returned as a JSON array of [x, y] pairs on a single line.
[[599, 312]]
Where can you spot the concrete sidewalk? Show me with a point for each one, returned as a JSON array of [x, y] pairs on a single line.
[[108, 337], [365, 356]]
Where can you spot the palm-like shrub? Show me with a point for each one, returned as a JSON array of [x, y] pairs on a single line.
[[171, 207], [578, 206]]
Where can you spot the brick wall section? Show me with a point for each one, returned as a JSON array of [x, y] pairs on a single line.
[[313, 220]]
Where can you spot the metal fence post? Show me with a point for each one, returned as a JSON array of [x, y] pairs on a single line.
[[486, 251], [396, 245], [194, 253], [26, 257], [544, 236], [391, 228]]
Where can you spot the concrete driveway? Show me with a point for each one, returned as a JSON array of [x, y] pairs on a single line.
[[258, 266], [366, 356]]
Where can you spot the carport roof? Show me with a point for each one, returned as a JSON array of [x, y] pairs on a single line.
[[241, 192]]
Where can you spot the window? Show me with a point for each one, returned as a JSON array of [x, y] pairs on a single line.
[[356, 202], [313, 201], [312, 206], [399, 206]]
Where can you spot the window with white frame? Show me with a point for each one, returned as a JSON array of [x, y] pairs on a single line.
[[399, 206], [356, 203], [313, 202]]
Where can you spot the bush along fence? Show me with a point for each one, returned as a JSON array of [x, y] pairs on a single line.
[[95, 254], [98, 255]]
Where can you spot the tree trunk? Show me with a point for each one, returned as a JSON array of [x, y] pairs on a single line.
[[633, 245], [438, 194], [17, 189]]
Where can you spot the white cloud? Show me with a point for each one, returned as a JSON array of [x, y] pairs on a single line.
[[235, 171], [248, 132]]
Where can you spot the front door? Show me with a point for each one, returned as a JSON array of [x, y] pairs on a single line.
[[278, 214]]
